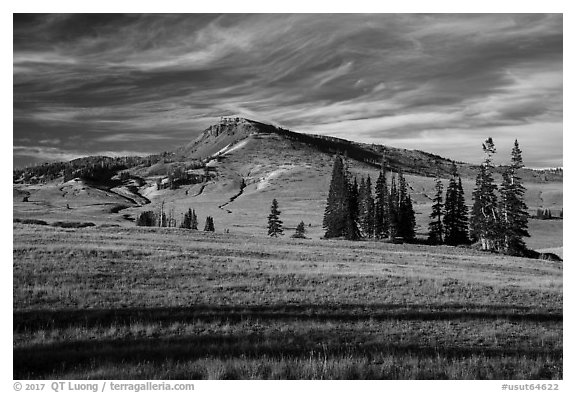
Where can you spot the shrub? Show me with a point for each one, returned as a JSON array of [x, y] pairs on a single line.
[[72, 224]]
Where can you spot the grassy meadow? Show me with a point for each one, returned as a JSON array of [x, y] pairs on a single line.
[[160, 303]]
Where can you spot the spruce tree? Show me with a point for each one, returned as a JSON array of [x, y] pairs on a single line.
[[461, 215], [352, 232], [435, 228], [362, 206], [451, 211], [381, 219], [393, 210], [484, 220], [353, 194], [409, 218], [368, 223], [337, 215], [193, 220], [513, 209], [455, 211], [406, 222], [300, 231], [209, 225], [187, 222], [274, 222]]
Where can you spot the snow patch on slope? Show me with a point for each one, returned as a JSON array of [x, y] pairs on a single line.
[[229, 148], [237, 146], [264, 181]]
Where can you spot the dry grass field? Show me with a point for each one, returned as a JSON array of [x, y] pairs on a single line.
[[116, 302]]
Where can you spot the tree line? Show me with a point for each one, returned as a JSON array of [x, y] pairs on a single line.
[[449, 217], [546, 214], [499, 215], [353, 211], [500, 224], [497, 223], [165, 219], [96, 168]]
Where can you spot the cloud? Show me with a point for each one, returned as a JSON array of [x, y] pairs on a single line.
[[136, 137], [145, 81]]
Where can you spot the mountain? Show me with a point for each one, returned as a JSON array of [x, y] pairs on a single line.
[[229, 131], [232, 171]]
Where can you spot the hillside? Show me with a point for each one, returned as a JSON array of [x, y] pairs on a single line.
[[234, 169]]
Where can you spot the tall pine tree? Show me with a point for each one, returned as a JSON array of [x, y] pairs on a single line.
[[405, 212], [339, 217], [393, 210], [484, 220], [455, 211], [461, 215], [274, 222], [368, 219], [409, 219], [381, 219], [337, 210], [353, 194], [366, 208], [450, 210], [187, 221], [513, 209], [193, 220], [436, 228]]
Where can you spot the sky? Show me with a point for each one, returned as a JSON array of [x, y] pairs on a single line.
[[141, 84]]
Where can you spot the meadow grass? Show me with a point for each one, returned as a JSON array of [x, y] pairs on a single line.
[[131, 303]]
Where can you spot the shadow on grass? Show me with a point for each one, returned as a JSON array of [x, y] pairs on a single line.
[[50, 319], [39, 360]]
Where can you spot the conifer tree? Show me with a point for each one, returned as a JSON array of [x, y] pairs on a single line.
[[274, 222], [484, 220], [337, 215], [436, 228], [353, 194], [406, 222], [381, 219], [187, 221], [193, 220], [209, 225], [513, 209], [455, 211], [461, 215], [450, 210], [362, 205], [393, 210], [408, 217], [379, 208], [368, 219], [300, 231]]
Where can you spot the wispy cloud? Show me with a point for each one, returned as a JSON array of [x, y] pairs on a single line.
[[148, 82]]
